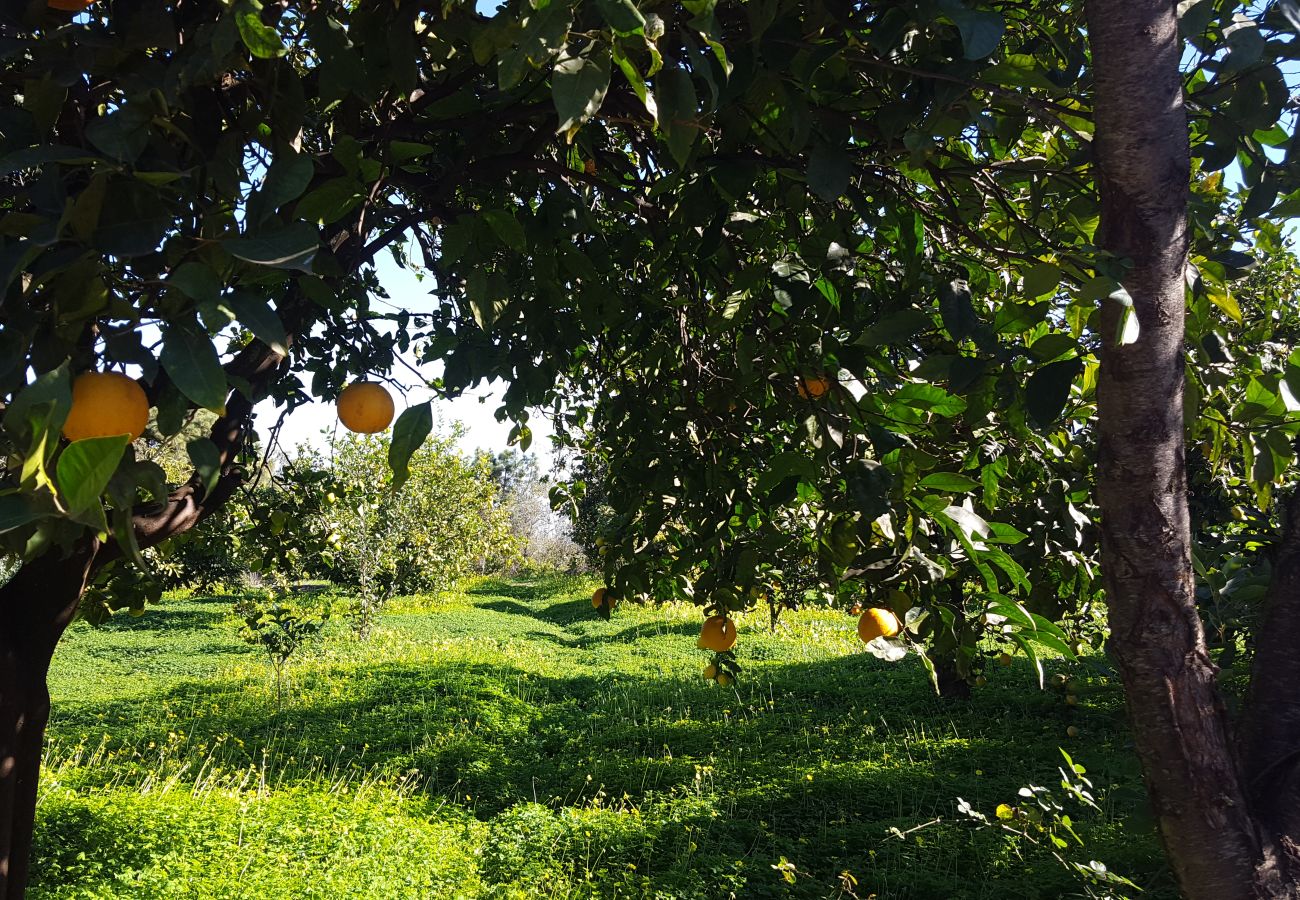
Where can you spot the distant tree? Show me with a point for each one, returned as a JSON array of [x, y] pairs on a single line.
[[443, 523], [512, 470]]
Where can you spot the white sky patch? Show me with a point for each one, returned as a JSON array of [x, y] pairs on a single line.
[[476, 409]]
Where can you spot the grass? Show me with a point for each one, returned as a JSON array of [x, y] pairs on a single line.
[[504, 742]]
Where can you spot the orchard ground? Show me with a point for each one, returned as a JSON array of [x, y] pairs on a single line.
[[502, 741]]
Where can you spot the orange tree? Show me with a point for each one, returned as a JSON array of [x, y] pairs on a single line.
[[826, 276]]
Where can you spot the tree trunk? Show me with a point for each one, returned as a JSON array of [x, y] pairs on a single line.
[[35, 608], [1216, 847], [1271, 733]]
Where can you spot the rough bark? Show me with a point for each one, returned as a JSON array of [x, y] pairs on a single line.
[[36, 607], [1216, 847], [1270, 741]]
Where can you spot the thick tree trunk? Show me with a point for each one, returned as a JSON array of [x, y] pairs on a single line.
[[1216, 847], [1271, 734], [35, 608]]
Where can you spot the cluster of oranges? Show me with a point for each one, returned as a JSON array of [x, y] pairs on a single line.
[[105, 404]]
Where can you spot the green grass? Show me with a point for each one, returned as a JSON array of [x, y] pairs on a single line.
[[505, 742]]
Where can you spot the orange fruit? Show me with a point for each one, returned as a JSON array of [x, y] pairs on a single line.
[[1004, 659], [710, 672], [1072, 731], [877, 622], [813, 388], [718, 634], [724, 679], [104, 404], [365, 407], [69, 5], [601, 596]]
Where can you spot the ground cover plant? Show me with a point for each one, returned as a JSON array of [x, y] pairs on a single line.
[[505, 741]]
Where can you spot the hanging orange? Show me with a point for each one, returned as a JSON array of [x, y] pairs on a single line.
[[603, 596], [105, 404], [877, 622], [718, 634], [365, 407], [813, 388]]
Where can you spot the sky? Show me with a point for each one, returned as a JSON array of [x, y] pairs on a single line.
[[475, 409]]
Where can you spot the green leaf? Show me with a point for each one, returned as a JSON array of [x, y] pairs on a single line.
[[1002, 605], [622, 15], [1041, 279], [1048, 390], [83, 472], [678, 107], [578, 86], [52, 388], [1052, 345], [829, 170], [488, 295], [981, 30], [17, 510], [287, 177], [35, 157], [207, 462], [262, 40], [191, 361], [929, 398], [783, 466], [1029, 652], [287, 248], [196, 281], [123, 134], [331, 201], [506, 227], [949, 481], [957, 310], [409, 433], [896, 327], [256, 315]]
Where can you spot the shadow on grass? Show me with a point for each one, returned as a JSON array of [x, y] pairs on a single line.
[[160, 618], [814, 761], [543, 588], [827, 755]]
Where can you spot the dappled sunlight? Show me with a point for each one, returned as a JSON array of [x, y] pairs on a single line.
[[534, 737]]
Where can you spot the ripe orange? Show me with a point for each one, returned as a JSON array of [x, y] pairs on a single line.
[[365, 407], [106, 403], [710, 672], [602, 596], [813, 388], [69, 5], [877, 622], [724, 679], [718, 634], [1005, 659]]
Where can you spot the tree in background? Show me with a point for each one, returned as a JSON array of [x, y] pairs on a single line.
[[544, 536], [442, 524]]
